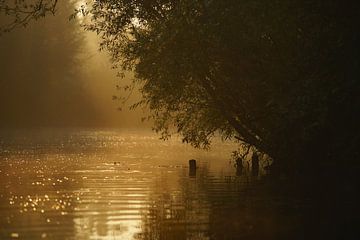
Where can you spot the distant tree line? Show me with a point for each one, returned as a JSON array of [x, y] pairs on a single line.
[[40, 75], [281, 77]]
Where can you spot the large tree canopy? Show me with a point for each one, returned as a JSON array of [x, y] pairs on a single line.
[[281, 76]]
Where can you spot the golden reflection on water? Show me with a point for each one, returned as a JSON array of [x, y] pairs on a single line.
[[113, 185]]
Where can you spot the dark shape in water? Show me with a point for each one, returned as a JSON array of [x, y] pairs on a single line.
[[192, 167], [255, 164], [239, 166]]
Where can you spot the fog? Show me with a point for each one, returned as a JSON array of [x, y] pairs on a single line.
[[52, 75]]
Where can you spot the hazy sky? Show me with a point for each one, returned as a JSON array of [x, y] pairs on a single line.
[[51, 74]]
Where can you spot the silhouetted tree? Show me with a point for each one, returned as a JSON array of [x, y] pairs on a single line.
[[281, 76]]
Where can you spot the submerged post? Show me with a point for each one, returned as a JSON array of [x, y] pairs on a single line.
[[239, 166], [255, 164], [192, 167]]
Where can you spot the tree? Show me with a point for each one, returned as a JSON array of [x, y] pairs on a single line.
[[267, 73], [277, 76]]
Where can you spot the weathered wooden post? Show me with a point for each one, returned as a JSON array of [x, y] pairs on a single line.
[[239, 166], [255, 164], [192, 167]]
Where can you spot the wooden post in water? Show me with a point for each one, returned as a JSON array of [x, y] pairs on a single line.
[[255, 164], [239, 166], [192, 167]]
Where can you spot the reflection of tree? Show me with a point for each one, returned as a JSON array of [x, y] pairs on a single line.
[[40, 74], [220, 207], [176, 211], [201, 207], [238, 209]]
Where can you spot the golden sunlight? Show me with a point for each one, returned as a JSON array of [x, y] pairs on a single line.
[[179, 120]]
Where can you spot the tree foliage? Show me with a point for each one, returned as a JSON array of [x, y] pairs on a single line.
[[21, 12], [281, 76]]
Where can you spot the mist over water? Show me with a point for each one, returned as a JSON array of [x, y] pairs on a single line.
[[52, 75]]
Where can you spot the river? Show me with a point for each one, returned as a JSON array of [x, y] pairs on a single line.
[[124, 184]]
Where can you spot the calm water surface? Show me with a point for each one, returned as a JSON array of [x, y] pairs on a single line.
[[73, 184]]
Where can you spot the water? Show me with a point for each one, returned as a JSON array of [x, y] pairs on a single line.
[[86, 184]]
